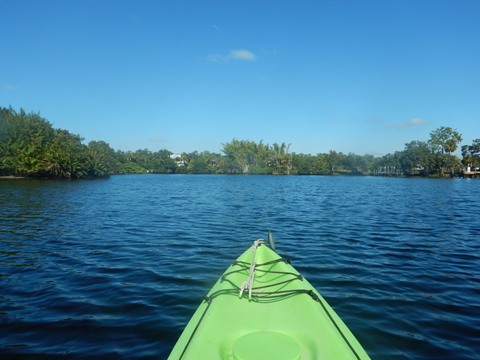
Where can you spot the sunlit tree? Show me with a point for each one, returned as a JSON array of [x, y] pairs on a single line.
[[444, 140]]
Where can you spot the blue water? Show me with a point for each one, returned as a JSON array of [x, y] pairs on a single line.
[[114, 269]]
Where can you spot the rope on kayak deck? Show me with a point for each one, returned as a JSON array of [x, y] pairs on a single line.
[[248, 285]]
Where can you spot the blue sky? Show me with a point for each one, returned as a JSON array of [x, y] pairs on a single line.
[[361, 76]]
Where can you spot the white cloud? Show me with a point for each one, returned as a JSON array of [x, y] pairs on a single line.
[[412, 122], [241, 55]]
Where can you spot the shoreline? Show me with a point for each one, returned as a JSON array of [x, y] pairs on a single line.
[[12, 177]]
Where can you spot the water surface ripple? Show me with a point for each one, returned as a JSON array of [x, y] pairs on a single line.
[[113, 269]]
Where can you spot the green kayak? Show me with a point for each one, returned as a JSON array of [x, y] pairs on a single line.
[[262, 308]]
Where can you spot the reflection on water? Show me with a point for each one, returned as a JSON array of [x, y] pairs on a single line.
[[115, 268]]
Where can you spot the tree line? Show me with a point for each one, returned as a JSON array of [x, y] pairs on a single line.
[[31, 147]]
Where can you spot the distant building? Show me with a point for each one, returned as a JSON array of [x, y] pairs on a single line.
[[179, 161]]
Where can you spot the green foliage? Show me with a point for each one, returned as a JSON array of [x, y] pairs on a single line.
[[102, 159], [471, 154], [24, 142], [30, 146], [146, 161], [358, 165], [201, 163], [279, 160], [304, 164], [444, 140], [432, 158], [416, 159], [66, 158], [246, 157]]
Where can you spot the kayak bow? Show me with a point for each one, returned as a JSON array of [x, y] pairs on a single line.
[[262, 308]]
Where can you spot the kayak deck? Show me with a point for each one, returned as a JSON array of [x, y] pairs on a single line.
[[262, 308]]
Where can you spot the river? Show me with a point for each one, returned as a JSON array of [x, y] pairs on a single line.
[[113, 269]]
